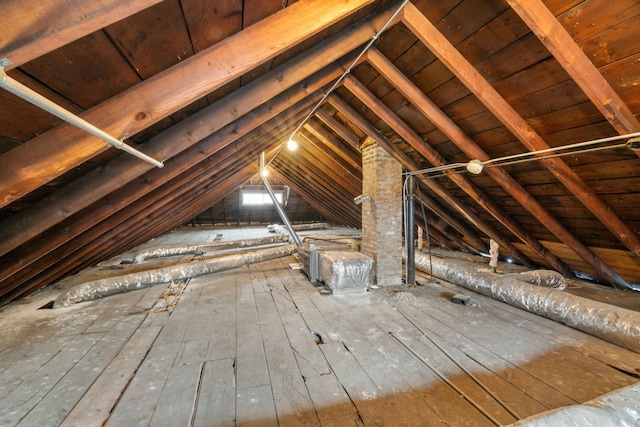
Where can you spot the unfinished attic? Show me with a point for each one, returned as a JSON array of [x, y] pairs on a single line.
[[319, 213]]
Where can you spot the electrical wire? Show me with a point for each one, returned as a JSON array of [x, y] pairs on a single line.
[[339, 80], [529, 156], [494, 163]]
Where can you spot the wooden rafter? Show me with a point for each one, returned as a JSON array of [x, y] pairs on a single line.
[[567, 52], [292, 76], [335, 145], [435, 159], [431, 184], [64, 147], [428, 34], [499, 175], [58, 22], [92, 224], [338, 128]]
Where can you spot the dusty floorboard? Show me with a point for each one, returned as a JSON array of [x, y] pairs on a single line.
[[260, 346]]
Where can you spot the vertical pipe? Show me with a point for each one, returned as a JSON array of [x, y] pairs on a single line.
[[283, 216], [410, 234]]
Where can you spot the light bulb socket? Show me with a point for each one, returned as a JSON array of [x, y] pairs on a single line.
[[475, 166]]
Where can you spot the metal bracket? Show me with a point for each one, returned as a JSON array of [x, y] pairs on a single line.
[[4, 62]]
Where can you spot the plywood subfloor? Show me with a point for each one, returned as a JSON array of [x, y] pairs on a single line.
[[260, 346]]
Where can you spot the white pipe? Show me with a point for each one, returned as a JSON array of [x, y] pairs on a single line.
[[38, 100]]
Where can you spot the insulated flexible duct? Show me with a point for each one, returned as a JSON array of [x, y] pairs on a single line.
[[279, 229], [618, 408], [614, 324], [166, 251], [130, 282]]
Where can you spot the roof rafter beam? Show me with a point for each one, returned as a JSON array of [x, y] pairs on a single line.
[[96, 225], [189, 167], [323, 138], [58, 22], [434, 186], [338, 128], [428, 34], [576, 63], [62, 148], [406, 133], [499, 175], [297, 73]]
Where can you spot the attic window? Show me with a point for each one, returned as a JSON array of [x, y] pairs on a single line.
[[256, 195]]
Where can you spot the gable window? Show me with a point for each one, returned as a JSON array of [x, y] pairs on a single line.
[[255, 195]]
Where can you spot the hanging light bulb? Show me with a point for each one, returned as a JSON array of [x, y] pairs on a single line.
[[264, 172], [292, 145]]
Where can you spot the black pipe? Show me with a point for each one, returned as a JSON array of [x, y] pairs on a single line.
[[410, 232]]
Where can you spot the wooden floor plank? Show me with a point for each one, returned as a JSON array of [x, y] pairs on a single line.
[[207, 290], [549, 330], [255, 407], [177, 401], [518, 345], [138, 403], [431, 390], [37, 383], [292, 401], [222, 340], [373, 408], [120, 305], [96, 404], [316, 321], [331, 402], [216, 404], [134, 411], [310, 359], [512, 385], [251, 361]]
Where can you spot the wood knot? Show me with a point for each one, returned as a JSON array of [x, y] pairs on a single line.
[[141, 116]]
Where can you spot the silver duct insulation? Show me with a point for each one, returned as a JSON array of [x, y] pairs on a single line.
[[618, 408], [277, 228], [334, 238], [346, 272], [104, 287], [315, 226], [173, 250], [614, 324]]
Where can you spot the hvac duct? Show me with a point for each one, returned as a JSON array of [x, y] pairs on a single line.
[[614, 324], [114, 285], [173, 250]]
